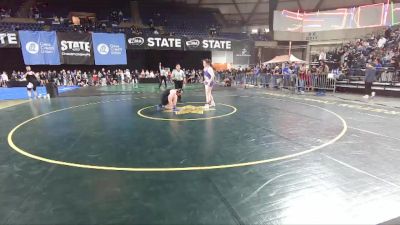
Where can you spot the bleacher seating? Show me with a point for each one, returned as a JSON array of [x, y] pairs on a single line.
[[13, 5], [20, 26], [101, 8], [179, 18], [168, 18]]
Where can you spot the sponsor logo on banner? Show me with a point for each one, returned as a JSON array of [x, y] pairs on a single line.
[[164, 42], [9, 39], [136, 41], [32, 47], [244, 53], [217, 44], [116, 49], [47, 48], [103, 49], [78, 48], [113, 49], [208, 44], [43, 47], [194, 43], [155, 43], [182, 43]]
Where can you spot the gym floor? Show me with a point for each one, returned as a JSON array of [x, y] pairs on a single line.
[[105, 156]]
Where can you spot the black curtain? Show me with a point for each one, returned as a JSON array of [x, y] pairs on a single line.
[[11, 59], [149, 59]]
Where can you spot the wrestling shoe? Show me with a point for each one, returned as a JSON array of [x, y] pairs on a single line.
[[159, 108]]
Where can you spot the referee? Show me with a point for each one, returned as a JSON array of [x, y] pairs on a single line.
[[178, 76], [163, 76]]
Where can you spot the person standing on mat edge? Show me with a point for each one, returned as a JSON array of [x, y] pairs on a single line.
[[208, 82], [178, 76], [163, 76], [32, 82], [370, 76]]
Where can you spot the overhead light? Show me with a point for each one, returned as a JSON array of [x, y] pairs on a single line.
[[266, 30], [254, 31]]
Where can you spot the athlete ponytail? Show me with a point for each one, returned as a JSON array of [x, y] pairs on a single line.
[[208, 62]]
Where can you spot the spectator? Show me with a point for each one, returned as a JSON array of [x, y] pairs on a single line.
[[345, 69], [56, 20], [2, 13], [382, 42], [135, 76], [14, 75], [302, 78], [322, 56], [370, 77], [388, 33], [3, 79], [35, 12], [324, 68], [128, 77], [151, 74], [151, 23], [120, 16], [256, 75]]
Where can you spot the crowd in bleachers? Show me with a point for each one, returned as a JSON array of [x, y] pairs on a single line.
[[34, 12], [5, 13], [179, 19], [101, 77], [382, 49], [172, 19]]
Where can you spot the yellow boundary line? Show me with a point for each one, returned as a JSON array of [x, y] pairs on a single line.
[[168, 169], [140, 113], [10, 103]]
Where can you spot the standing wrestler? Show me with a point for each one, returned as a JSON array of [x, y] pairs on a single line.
[[32, 82], [208, 82]]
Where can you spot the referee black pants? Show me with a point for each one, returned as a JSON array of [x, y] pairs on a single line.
[[179, 85], [163, 78], [368, 88]]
